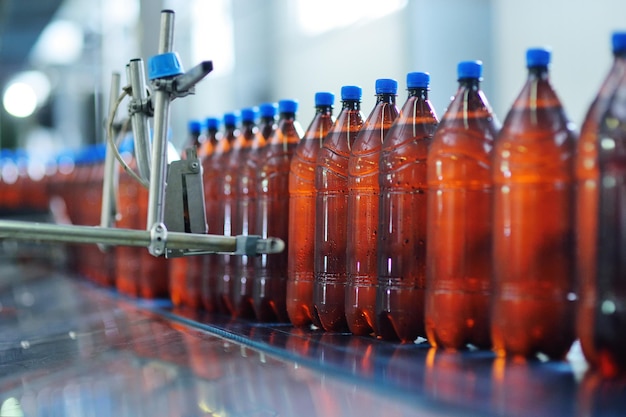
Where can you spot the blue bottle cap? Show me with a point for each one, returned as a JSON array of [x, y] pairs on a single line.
[[618, 40], [268, 109], [469, 69], [164, 65], [194, 126], [248, 114], [324, 99], [287, 106], [386, 86], [351, 92], [417, 80], [537, 57], [212, 123], [230, 119]]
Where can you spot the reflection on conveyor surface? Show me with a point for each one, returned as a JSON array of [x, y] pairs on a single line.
[[70, 348]]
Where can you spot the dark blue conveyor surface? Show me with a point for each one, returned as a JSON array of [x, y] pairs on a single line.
[[70, 348]]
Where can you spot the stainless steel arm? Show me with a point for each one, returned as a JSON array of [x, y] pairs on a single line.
[[198, 243]]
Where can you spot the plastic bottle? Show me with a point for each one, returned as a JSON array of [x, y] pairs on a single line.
[[402, 222], [210, 139], [128, 266], [363, 204], [331, 213], [300, 277], [610, 307], [218, 219], [272, 213], [533, 294], [586, 171], [236, 157], [246, 210], [459, 259], [185, 273], [208, 293]]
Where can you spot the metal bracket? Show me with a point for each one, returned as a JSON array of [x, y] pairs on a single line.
[[158, 239]]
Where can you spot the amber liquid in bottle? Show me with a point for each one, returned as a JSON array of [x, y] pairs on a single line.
[[208, 294], [533, 294], [586, 172], [402, 229], [331, 213], [185, 273], [363, 204], [238, 155], [610, 308], [213, 169], [459, 254], [270, 284], [300, 275], [128, 266], [246, 210]]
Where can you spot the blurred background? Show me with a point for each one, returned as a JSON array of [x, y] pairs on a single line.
[[57, 56]]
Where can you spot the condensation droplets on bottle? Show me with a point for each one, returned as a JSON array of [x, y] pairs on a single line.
[[533, 296], [458, 286]]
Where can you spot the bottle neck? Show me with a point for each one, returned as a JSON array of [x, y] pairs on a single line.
[[388, 98], [351, 105], [419, 92], [538, 73], [194, 139], [470, 83], [324, 109], [287, 116]]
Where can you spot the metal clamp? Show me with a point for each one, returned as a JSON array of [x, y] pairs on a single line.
[[158, 239]]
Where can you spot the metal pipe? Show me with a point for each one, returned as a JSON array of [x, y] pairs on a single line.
[[139, 120], [156, 199], [109, 184], [47, 232], [166, 34]]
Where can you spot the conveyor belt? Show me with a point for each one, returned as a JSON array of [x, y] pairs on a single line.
[[68, 347]]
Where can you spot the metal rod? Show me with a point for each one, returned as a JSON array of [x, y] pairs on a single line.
[[139, 120], [166, 34], [156, 199], [109, 184]]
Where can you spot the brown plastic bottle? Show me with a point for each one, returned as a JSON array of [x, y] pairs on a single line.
[[230, 186], [244, 274], [214, 167], [128, 266], [300, 277], [459, 258], [270, 284], [402, 221], [363, 205], [610, 307], [185, 273], [331, 213], [208, 287], [533, 293], [586, 171], [226, 206]]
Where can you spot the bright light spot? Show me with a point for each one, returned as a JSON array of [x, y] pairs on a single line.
[[316, 17], [608, 307], [607, 143], [20, 99], [11, 407], [61, 43]]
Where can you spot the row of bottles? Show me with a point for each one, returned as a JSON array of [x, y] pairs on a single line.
[[398, 224]]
